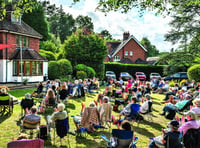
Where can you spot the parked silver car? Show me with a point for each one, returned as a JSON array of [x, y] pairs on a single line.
[[154, 75]]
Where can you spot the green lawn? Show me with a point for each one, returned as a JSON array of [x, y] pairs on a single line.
[[9, 125]]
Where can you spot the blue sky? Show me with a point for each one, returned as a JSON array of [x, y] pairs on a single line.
[[150, 26]]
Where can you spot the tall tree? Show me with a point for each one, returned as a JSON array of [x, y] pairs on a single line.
[[106, 34], [84, 22], [84, 48], [19, 7], [37, 20], [151, 49]]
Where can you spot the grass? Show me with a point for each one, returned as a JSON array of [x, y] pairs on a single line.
[[9, 125]]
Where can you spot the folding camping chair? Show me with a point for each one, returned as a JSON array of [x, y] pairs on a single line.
[[28, 125], [125, 139], [134, 115], [29, 143], [6, 105]]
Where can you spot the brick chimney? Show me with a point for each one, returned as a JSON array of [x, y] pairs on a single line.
[[126, 35]]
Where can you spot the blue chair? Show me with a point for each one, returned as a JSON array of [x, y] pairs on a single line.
[[134, 115], [124, 139]]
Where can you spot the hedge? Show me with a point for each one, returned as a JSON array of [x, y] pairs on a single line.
[[194, 73], [65, 67], [81, 75], [133, 68], [53, 70], [90, 72]]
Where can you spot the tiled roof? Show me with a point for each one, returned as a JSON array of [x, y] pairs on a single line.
[[126, 60], [27, 54], [140, 61], [22, 28], [112, 47]]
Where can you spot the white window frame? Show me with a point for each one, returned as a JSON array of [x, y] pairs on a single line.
[[131, 53], [126, 53], [116, 58]]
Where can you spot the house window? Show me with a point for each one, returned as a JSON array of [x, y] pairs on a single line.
[[27, 68], [116, 58], [131, 53], [17, 40], [20, 37], [24, 41], [126, 53], [14, 68], [27, 42]]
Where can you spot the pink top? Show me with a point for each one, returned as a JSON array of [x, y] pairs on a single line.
[[196, 110], [188, 125]]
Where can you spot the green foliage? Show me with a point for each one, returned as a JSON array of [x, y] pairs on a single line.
[[48, 46], [87, 49], [50, 56], [84, 22], [133, 68], [81, 75], [37, 20], [91, 72], [106, 34], [88, 70], [53, 70], [65, 67], [151, 49], [194, 73]]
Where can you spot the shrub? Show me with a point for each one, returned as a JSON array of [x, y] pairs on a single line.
[[171, 83], [53, 70], [81, 75], [133, 68], [194, 72], [65, 67], [91, 72], [50, 56], [182, 81], [88, 70]]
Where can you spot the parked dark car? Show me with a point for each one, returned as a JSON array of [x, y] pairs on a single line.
[[110, 75], [177, 76], [125, 76]]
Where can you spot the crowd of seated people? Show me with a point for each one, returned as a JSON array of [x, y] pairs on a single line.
[[134, 94]]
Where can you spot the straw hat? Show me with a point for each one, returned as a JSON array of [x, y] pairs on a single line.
[[191, 114]]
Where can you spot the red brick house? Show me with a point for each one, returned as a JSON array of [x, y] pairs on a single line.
[[23, 59], [128, 51]]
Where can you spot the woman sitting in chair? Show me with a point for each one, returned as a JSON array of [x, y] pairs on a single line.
[[50, 98], [105, 110], [63, 92], [27, 102], [145, 105], [61, 114], [124, 136]]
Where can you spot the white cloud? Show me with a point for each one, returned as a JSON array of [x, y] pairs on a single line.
[[149, 25]]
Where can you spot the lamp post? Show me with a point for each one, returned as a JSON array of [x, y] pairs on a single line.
[[21, 68]]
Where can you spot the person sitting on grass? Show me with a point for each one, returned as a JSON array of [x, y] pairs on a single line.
[[39, 90], [63, 92], [170, 138]]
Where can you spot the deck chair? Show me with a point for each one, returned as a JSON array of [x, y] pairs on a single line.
[[149, 114], [28, 125], [124, 139], [52, 104], [62, 128], [30, 143], [6, 104]]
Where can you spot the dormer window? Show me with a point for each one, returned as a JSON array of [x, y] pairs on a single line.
[[16, 19]]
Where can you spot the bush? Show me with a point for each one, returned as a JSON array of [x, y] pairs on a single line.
[[88, 70], [65, 67], [81, 75], [53, 70], [194, 72], [91, 72], [50, 56], [182, 82], [133, 68], [171, 83]]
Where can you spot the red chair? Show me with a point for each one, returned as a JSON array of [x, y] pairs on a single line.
[[30, 143]]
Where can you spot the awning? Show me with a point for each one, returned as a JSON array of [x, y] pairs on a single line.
[[2, 46]]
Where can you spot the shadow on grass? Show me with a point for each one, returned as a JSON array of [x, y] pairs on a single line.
[[153, 125], [4, 117], [143, 131]]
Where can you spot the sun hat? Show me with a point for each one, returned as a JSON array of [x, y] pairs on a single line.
[[28, 96], [191, 114], [3, 90]]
